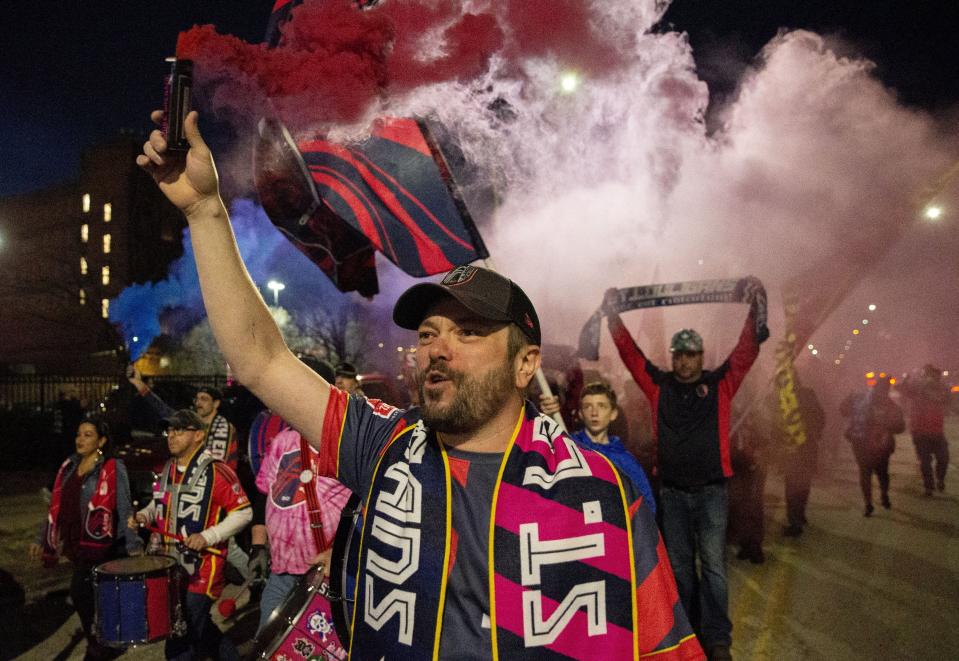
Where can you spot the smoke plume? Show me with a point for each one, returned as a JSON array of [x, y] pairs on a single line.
[[587, 129]]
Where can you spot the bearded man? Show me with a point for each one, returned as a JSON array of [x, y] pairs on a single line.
[[487, 532]]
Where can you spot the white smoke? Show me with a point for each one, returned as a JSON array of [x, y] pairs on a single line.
[[598, 186]]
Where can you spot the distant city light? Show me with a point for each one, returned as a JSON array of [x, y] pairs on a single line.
[[837, 361], [892, 381], [811, 347], [569, 82], [933, 212], [136, 338], [380, 345], [870, 375], [277, 287], [815, 352], [872, 307], [865, 322], [945, 372], [400, 349], [855, 331]]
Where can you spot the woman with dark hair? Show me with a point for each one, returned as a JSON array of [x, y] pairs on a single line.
[[88, 509]]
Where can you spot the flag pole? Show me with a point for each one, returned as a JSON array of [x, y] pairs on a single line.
[[540, 375]]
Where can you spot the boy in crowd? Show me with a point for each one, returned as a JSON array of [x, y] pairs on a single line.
[[597, 410]]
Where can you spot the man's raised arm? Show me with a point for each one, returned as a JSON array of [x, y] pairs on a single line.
[[245, 331]]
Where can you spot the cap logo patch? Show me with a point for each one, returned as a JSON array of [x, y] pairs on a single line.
[[460, 276], [529, 322]]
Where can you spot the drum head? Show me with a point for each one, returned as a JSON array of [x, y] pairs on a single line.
[[343, 564], [289, 612], [139, 565]]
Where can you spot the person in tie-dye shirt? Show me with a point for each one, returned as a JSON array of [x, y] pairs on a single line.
[[293, 549]]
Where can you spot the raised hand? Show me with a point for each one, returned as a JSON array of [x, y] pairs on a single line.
[[549, 405], [611, 301], [188, 181]]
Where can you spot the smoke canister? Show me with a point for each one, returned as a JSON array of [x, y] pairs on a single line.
[[177, 103]]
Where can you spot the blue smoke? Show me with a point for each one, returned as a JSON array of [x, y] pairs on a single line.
[[268, 256]]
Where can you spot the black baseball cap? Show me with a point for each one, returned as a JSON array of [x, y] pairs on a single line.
[[213, 392], [483, 292], [185, 419], [346, 369]]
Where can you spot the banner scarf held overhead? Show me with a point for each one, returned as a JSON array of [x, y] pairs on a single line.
[[748, 289]]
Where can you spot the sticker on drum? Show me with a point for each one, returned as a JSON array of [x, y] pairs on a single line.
[[302, 627], [138, 600], [313, 621]]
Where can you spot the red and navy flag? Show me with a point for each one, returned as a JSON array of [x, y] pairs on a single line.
[[391, 193]]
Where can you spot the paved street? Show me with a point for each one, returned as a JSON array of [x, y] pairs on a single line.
[[850, 588]]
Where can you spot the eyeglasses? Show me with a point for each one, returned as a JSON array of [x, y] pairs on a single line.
[[177, 431]]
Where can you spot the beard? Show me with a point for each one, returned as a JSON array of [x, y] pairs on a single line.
[[476, 399]]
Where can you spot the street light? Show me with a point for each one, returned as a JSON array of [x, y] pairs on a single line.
[[277, 287], [933, 212]]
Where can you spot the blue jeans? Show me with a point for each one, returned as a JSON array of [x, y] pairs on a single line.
[[694, 525], [278, 586], [203, 637]]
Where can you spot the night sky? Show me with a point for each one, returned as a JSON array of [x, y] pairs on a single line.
[[72, 75]]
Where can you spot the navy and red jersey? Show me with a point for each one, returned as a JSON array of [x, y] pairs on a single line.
[[690, 420], [357, 436]]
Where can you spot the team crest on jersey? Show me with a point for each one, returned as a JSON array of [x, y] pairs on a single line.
[[702, 390], [287, 490], [99, 523], [381, 408], [460, 275]]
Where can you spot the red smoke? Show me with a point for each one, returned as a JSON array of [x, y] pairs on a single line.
[[333, 60]]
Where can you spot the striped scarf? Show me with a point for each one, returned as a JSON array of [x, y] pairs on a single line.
[[99, 519], [561, 566]]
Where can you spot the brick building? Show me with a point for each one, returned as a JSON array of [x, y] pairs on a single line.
[[67, 250]]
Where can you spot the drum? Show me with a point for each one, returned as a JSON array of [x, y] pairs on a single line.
[[313, 621], [138, 600]]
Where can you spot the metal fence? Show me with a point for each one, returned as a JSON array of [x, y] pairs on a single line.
[[40, 392]]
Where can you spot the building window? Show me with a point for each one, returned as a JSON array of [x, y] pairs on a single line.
[[86, 203], [84, 233], [83, 297], [105, 275], [83, 266], [105, 308], [106, 244], [107, 212]]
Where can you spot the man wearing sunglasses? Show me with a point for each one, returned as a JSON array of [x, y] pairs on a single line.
[[691, 410], [487, 532], [198, 499]]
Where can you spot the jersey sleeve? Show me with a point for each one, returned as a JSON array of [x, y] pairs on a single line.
[[644, 372], [664, 630], [228, 493], [742, 357], [355, 431]]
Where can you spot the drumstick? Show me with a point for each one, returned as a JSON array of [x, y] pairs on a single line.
[[227, 607], [179, 538]]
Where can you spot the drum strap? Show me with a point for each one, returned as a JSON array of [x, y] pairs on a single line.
[[307, 477]]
